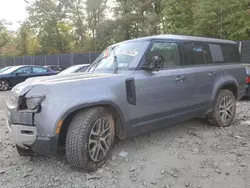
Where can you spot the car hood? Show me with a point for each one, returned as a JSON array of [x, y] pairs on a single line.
[[65, 78], [25, 86]]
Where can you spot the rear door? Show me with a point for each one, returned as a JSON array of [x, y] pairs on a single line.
[[40, 71], [197, 61]]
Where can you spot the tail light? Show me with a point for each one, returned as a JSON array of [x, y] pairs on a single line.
[[248, 80]]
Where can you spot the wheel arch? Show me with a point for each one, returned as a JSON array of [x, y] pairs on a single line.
[[230, 85], [67, 117]]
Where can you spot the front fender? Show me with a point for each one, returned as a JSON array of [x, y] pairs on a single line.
[[91, 104]]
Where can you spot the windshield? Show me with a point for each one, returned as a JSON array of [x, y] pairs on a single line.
[[4, 69], [10, 70], [71, 69], [125, 54]]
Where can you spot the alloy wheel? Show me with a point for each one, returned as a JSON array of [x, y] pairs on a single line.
[[4, 86], [226, 109], [100, 139]]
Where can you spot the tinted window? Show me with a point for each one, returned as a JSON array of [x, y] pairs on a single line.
[[39, 70], [169, 52], [24, 70], [230, 53], [193, 54], [207, 53], [216, 53]]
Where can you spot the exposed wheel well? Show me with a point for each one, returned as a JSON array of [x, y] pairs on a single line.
[[68, 119], [232, 88]]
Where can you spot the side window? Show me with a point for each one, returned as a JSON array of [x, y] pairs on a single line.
[[39, 70], [230, 53], [25, 70], [207, 53], [193, 54], [216, 53], [168, 50]]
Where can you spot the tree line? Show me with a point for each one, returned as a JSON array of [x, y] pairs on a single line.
[[66, 26]]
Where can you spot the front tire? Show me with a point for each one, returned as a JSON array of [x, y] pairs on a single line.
[[4, 85], [90, 138], [224, 110]]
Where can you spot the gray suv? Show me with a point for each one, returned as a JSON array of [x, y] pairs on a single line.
[[133, 87]]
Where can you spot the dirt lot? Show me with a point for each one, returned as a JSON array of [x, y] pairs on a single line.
[[190, 154]]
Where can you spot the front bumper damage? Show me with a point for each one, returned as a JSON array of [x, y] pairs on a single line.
[[21, 135], [24, 132]]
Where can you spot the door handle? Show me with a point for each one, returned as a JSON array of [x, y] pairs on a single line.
[[179, 78], [212, 74]]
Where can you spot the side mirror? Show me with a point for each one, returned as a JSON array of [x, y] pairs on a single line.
[[17, 73], [155, 64]]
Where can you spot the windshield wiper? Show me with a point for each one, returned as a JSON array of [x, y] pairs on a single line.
[[115, 63]]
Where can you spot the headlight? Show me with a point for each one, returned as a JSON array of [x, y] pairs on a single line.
[[33, 102]]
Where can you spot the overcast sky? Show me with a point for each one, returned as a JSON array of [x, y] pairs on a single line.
[[12, 11]]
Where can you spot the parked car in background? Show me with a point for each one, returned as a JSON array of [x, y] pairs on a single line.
[[75, 68], [54, 67], [5, 68], [18, 74], [134, 87], [248, 80]]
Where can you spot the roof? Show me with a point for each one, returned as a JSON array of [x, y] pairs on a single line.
[[19, 66], [185, 38]]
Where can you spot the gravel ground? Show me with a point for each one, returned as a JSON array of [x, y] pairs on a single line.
[[190, 154]]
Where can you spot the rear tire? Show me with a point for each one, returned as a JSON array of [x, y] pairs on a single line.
[[4, 85], [224, 110], [24, 152], [90, 138]]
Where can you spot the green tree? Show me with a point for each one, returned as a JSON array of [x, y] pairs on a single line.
[[23, 39], [48, 18], [179, 16], [4, 34], [222, 19]]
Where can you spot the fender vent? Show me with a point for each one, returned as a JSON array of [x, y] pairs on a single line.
[[131, 92]]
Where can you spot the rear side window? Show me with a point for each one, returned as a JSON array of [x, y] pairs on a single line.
[[193, 54], [216, 53], [224, 53], [39, 70], [230, 53]]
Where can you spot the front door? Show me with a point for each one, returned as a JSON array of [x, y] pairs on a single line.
[[163, 97], [21, 75]]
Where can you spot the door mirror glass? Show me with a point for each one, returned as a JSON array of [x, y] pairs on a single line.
[[155, 63]]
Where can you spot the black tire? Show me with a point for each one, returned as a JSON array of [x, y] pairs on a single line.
[[4, 85], [24, 152], [214, 118], [79, 134]]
